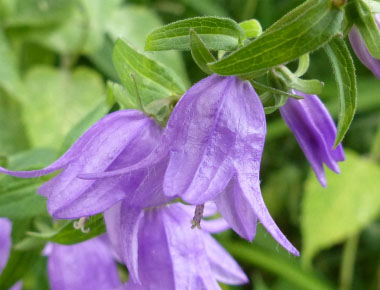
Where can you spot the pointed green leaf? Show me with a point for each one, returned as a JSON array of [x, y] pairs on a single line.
[[344, 71], [201, 55], [331, 215], [154, 80], [217, 34], [313, 26]]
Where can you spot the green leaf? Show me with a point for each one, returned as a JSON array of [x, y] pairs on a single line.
[[154, 81], [344, 71], [57, 100], [19, 263], [368, 28], [12, 132], [310, 28], [18, 197], [217, 33], [331, 215], [121, 96], [122, 24], [38, 13], [252, 28], [201, 55], [68, 235], [10, 79]]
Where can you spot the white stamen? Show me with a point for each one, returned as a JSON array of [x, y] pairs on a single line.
[[198, 215], [80, 225]]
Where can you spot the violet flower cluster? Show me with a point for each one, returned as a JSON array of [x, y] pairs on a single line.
[[208, 156], [361, 50]]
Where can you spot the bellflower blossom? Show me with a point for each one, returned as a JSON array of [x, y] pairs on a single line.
[[214, 140], [361, 50], [161, 251], [118, 140], [315, 131], [5, 247]]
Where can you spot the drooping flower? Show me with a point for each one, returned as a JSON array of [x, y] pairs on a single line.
[[161, 251], [118, 140], [315, 131], [88, 265], [361, 50], [214, 141], [5, 247]]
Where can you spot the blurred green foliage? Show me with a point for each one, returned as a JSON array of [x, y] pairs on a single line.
[[55, 59]]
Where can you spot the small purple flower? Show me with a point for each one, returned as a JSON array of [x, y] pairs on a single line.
[[85, 266], [118, 140], [315, 132], [5, 247], [361, 49], [214, 140], [161, 250]]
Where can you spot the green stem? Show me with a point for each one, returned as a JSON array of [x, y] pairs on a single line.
[[375, 150], [348, 262]]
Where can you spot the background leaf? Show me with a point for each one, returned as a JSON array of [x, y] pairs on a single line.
[[332, 214], [57, 100]]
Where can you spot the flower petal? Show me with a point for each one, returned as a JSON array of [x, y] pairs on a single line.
[[112, 221], [127, 139], [5, 241], [324, 122], [187, 252], [237, 210], [199, 160], [87, 265], [224, 267], [130, 219], [361, 50], [215, 226], [251, 189]]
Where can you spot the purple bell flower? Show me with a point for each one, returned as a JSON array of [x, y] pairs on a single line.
[[315, 131], [361, 49], [116, 141], [161, 250], [214, 140], [88, 265]]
